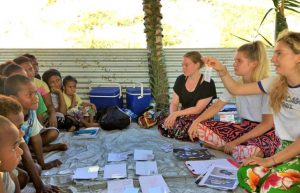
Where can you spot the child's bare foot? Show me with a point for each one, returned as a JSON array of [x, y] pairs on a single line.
[[55, 147], [52, 164], [220, 148], [92, 124], [72, 129]]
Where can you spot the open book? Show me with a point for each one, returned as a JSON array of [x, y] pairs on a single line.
[[200, 167], [219, 177]]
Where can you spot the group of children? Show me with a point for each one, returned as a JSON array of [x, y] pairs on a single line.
[[31, 114]]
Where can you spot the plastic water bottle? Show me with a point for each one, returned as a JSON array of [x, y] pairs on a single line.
[[153, 105], [130, 113]]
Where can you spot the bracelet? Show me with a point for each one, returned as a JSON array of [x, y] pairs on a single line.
[[224, 72], [273, 159]]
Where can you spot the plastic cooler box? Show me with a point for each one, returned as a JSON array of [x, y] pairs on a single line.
[[106, 96], [138, 98]]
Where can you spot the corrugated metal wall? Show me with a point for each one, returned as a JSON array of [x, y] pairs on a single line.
[[124, 66]]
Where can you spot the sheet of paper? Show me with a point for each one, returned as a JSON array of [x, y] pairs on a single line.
[[113, 157], [86, 173], [131, 190], [140, 154], [146, 168], [119, 186], [150, 183], [200, 167], [115, 171], [207, 73], [156, 190]]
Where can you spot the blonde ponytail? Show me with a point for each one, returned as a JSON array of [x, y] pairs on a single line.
[[256, 51]]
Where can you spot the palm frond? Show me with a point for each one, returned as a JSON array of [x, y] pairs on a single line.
[[241, 38], [276, 3], [270, 44], [291, 9], [263, 19], [292, 5]]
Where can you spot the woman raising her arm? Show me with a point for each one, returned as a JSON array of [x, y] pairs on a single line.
[[280, 172]]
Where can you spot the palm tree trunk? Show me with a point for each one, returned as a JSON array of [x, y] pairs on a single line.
[[280, 20], [157, 70]]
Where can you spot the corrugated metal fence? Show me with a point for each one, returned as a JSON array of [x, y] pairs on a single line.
[[123, 66]]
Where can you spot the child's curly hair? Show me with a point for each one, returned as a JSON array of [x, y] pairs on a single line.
[[9, 105]]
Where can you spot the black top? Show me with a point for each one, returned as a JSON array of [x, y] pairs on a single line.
[[189, 99]]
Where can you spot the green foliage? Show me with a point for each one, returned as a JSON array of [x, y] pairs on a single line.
[[240, 23], [85, 29], [171, 37], [51, 2]]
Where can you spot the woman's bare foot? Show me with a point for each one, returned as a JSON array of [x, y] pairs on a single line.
[[259, 153]]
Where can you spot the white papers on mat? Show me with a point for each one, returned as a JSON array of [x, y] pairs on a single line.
[[121, 186], [220, 177], [86, 173], [131, 190], [153, 184], [115, 171], [115, 157], [143, 154], [146, 168], [87, 133], [200, 167]]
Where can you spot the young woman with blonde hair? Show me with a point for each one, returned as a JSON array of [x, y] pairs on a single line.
[[254, 135], [280, 172]]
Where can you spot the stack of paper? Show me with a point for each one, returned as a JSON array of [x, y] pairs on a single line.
[[219, 177], [86, 173], [115, 171], [143, 155], [121, 186], [153, 184], [146, 168]]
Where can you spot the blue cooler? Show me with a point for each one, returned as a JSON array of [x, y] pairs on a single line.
[[138, 98], [106, 96]]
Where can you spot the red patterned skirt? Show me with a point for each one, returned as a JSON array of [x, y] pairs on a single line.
[[180, 129], [267, 142]]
